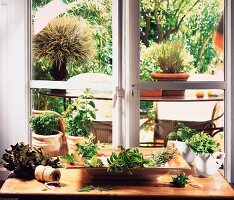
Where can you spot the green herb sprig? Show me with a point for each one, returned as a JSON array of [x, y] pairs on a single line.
[[161, 158], [202, 143], [180, 180], [91, 187], [87, 148], [94, 162], [125, 160], [70, 158], [183, 133]]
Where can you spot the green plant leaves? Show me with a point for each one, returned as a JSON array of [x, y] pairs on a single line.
[[87, 149], [45, 123], [91, 187], [180, 180], [80, 114], [202, 143], [23, 159]]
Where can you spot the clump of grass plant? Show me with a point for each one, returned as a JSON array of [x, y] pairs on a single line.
[[65, 39]]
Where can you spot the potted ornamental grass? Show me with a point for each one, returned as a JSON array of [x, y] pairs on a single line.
[[207, 159], [180, 139], [64, 39], [173, 63], [45, 132], [79, 116]]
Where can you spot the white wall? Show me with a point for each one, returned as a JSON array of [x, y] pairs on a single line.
[[13, 64]]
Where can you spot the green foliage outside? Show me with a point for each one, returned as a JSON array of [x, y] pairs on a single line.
[[197, 33], [191, 21]]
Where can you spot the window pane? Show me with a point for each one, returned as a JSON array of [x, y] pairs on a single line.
[[91, 113], [75, 38], [197, 29], [202, 110]]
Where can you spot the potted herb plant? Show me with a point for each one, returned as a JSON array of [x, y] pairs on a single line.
[[45, 132], [180, 139], [64, 39], [205, 148], [173, 63], [79, 116]]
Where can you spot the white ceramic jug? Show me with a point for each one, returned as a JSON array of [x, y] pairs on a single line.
[[207, 164], [184, 150]]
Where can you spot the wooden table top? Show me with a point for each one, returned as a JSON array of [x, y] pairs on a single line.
[[214, 187]]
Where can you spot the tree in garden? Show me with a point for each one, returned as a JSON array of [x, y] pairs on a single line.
[[162, 18], [197, 33]]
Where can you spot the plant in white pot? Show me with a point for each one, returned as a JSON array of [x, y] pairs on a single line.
[[207, 159], [45, 133], [79, 116], [180, 139], [173, 63]]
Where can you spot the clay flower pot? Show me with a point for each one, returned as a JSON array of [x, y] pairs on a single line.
[[71, 143], [171, 77], [151, 93], [49, 143]]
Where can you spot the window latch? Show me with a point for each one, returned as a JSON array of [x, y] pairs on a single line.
[[119, 93], [134, 89]]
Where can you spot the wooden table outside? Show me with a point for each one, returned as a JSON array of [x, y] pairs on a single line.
[[214, 187]]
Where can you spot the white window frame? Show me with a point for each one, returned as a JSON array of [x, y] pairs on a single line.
[[227, 84], [126, 83]]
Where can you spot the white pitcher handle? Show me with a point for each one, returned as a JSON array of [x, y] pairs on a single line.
[[220, 160]]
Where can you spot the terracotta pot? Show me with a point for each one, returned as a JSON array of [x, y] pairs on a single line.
[[71, 143], [49, 143], [171, 77], [151, 93]]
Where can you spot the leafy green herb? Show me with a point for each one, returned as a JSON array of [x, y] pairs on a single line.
[[45, 123], [87, 149], [161, 158], [202, 143], [91, 187], [80, 114], [70, 158], [183, 133], [44, 190], [23, 159], [180, 180], [86, 188], [126, 160], [94, 162]]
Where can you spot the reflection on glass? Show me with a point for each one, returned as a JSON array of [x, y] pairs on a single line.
[[196, 26]]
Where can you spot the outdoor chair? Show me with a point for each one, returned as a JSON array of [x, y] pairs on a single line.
[[212, 126]]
